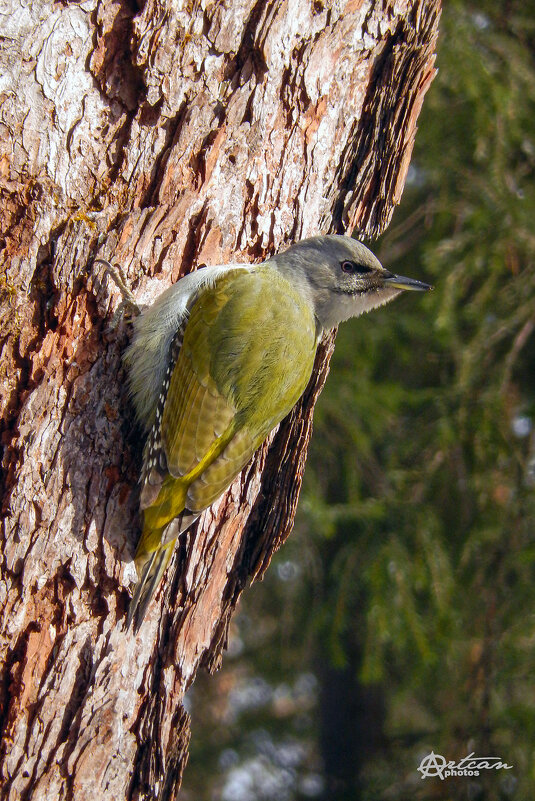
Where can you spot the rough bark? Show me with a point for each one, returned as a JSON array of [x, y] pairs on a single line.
[[158, 137]]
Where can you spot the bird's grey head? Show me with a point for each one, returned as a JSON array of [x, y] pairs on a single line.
[[342, 277]]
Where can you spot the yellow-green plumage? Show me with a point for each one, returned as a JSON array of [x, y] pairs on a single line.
[[243, 364]]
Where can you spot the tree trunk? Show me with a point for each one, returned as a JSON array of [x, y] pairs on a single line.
[[158, 138]]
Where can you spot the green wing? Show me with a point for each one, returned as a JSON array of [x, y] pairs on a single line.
[[246, 358]]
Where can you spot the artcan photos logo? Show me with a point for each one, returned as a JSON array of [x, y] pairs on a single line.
[[436, 765]]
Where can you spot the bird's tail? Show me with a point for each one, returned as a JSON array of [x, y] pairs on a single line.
[[150, 568]]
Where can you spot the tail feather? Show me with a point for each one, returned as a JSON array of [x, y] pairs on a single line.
[[154, 551], [150, 574]]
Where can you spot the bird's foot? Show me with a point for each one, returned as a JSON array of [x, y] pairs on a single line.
[[127, 308]]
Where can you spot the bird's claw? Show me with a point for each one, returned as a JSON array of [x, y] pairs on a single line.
[[127, 308]]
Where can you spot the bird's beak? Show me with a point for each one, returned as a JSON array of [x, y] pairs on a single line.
[[400, 282]]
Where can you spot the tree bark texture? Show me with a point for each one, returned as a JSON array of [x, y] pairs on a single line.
[[158, 136]]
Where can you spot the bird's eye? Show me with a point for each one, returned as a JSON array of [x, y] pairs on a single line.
[[352, 267]]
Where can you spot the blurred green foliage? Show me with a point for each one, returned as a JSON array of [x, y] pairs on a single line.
[[411, 570]]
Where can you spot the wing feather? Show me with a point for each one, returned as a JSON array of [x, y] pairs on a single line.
[[221, 472], [246, 356], [216, 416]]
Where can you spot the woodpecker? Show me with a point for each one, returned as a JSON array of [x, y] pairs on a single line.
[[219, 360]]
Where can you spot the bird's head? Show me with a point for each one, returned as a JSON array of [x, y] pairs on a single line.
[[341, 276]]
